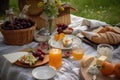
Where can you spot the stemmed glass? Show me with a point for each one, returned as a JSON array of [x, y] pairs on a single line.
[[42, 36]]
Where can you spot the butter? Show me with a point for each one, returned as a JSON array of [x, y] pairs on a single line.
[[101, 59]]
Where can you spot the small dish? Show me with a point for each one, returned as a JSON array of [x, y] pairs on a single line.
[[43, 73], [58, 44]]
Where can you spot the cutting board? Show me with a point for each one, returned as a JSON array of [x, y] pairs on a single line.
[[37, 63], [86, 76]]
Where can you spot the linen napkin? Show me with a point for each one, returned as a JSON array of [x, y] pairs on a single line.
[[13, 57], [116, 55], [80, 23]]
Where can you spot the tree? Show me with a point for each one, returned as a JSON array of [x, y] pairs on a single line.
[[4, 5]]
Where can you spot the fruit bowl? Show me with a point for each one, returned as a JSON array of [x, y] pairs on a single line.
[[17, 35]]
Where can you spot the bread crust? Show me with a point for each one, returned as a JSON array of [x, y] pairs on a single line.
[[86, 61], [108, 35], [103, 38], [114, 37]]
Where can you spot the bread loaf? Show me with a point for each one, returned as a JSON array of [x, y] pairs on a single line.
[[106, 29], [107, 35]]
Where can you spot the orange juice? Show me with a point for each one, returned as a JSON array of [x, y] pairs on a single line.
[[77, 54], [55, 58]]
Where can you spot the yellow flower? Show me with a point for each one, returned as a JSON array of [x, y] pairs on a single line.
[[40, 4], [86, 6], [62, 9], [58, 3], [98, 12]]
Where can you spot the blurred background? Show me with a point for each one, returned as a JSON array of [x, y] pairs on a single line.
[[103, 10]]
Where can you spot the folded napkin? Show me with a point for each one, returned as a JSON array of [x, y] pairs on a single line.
[[116, 55], [13, 57], [80, 23]]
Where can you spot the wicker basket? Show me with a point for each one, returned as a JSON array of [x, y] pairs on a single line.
[[18, 37], [33, 9], [35, 12]]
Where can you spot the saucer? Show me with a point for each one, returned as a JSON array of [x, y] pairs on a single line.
[[44, 72]]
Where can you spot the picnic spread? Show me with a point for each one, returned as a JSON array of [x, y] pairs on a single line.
[[70, 68], [40, 44]]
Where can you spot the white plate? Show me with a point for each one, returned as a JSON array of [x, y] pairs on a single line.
[[58, 44], [44, 72]]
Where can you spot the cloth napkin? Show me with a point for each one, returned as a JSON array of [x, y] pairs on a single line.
[[80, 23], [13, 57], [116, 55]]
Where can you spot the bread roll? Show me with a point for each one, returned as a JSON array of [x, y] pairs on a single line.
[[68, 31], [86, 61]]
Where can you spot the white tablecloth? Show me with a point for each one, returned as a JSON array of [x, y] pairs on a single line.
[[70, 68]]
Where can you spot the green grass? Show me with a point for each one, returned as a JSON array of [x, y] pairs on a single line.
[[14, 5], [104, 10]]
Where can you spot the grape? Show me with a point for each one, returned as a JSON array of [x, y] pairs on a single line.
[[34, 54], [41, 58], [61, 27], [39, 53], [18, 24], [39, 49]]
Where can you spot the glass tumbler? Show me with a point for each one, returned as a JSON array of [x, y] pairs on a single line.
[[106, 50], [77, 51], [55, 58]]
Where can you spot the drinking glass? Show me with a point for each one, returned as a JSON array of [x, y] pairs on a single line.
[[77, 51], [55, 58]]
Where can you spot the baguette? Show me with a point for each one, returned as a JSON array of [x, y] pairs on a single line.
[[115, 29], [106, 29], [108, 37]]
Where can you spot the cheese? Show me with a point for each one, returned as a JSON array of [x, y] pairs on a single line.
[[93, 70], [101, 59]]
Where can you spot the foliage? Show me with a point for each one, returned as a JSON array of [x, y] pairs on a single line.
[[104, 10], [50, 7]]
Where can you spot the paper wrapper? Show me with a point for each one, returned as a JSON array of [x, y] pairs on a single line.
[[13, 57]]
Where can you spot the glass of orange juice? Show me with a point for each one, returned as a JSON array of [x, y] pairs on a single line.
[[77, 52], [55, 58]]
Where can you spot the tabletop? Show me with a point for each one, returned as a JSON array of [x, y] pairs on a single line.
[[10, 71]]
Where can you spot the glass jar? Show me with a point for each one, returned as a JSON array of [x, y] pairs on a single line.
[[106, 50], [42, 35]]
